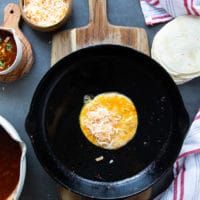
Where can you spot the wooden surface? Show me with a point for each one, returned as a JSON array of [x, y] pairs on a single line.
[[67, 195], [98, 31], [12, 16]]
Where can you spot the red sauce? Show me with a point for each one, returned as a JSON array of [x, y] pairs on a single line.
[[8, 50], [10, 154]]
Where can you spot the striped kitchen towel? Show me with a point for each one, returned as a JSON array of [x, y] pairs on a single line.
[[186, 183], [158, 11]]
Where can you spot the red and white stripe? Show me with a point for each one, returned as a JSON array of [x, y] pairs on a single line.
[[186, 183], [158, 11]]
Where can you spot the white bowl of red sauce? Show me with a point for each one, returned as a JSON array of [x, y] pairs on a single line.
[[12, 162], [10, 50]]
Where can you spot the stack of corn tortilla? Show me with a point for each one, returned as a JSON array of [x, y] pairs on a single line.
[[177, 48]]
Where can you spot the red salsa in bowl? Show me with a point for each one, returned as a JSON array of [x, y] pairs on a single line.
[[8, 49], [12, 162], [11, 50], [10, 152]]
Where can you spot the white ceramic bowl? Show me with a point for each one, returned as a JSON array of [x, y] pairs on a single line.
[[19, 51], [15, 136]]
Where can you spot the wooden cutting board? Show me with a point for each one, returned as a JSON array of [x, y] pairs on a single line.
[[98, 31], [12, 16]]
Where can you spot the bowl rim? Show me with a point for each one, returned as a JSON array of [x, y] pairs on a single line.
[[50, 27], [9, 128]]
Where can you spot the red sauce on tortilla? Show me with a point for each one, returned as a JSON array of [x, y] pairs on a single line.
[[10, 154]]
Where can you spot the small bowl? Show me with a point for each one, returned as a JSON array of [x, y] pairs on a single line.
[[46, 28], [18, 50], [7, 128]]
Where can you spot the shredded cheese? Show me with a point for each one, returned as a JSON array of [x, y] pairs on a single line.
[[45, 12], [109, 120], [100, 158], [101, 123]]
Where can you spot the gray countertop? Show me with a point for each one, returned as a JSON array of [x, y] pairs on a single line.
[[15, 97]]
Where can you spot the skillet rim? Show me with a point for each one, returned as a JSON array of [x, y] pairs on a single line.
[[32, 131]]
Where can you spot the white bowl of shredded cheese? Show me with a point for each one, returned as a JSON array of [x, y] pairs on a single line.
[[45, 15]]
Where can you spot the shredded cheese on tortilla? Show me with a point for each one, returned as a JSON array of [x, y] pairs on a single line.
[[109, 120], [45, 12], [102, 125]]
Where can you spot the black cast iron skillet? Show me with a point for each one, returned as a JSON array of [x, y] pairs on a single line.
[[133, 170]]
